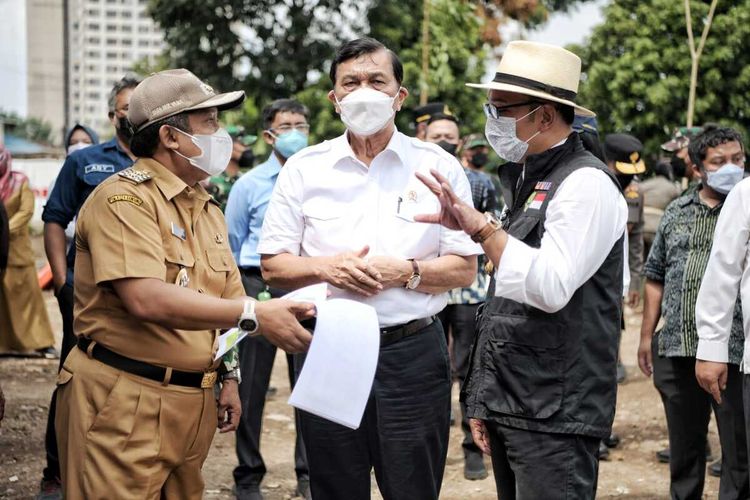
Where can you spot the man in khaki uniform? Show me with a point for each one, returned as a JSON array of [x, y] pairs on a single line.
[[154, 280]]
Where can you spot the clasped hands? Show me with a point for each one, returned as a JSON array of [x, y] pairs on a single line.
[[363, 275]]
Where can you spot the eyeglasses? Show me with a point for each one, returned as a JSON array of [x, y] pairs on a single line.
[[492, 111], [288, 128]]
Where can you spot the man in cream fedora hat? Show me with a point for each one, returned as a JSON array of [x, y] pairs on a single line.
[[541, 386]]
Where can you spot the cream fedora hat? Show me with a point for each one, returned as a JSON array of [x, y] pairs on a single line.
[[539, 70]]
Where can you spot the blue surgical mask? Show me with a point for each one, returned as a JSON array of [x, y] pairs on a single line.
[[725, 178], [289, 143]]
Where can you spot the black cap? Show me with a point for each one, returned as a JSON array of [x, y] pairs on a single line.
[[625, 150], [426, 112]]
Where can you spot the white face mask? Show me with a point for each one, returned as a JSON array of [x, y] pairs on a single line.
[[216, 151], [501, 134], [366, 111], [77, 146]]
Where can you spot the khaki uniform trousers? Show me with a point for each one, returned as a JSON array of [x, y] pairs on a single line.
[[121, 436]]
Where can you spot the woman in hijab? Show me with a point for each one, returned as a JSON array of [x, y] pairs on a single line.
[[79, 137], [24, 325]]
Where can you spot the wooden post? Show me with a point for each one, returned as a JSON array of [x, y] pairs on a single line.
[[425, 86], [695, 54]]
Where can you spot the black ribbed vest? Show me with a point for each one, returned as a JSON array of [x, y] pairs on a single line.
[[551, 372]]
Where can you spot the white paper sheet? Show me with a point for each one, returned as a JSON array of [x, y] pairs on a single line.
[[229, 339], [312, 293], [232, 337], [337, 377]]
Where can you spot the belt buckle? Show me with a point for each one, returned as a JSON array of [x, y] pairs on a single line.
[[209, 380]]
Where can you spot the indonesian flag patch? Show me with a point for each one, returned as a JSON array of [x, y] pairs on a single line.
[[535, 201]]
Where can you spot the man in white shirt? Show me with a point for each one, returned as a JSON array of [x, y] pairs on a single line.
[[541, 387], [725, 280], [343, 212]]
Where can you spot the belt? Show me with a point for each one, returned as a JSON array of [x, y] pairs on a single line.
[[392, 334], [146, 370], [251, 271]]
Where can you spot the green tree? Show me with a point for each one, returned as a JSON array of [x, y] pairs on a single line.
[[273, 48], [637, 68]]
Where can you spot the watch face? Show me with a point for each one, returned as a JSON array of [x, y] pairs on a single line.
[[413, 282], [248, 325]]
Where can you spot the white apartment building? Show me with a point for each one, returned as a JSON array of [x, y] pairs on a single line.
[[105, 39]]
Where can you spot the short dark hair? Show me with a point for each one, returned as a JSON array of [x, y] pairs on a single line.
[[711, 137], [129, 81], [144, 143], [362, 46], [567, 112], [283, 106]]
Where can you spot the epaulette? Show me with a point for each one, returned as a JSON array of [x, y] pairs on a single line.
[[136, 176]]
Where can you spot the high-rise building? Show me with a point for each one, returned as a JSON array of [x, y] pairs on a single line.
[[105, 39], [45, 74]]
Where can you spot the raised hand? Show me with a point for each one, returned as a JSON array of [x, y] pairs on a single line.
[[454, 213]]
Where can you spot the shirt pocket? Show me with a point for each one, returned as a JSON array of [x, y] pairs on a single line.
[[411, 239], [177, 256], [220, 264], [329, 226]]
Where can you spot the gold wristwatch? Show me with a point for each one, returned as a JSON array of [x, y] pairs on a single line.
[[415, 278], [493, 225]]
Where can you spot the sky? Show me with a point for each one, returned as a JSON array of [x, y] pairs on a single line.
[[13, 56], [564, 29]]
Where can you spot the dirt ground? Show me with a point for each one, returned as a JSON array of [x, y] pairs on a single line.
[[631, 472]]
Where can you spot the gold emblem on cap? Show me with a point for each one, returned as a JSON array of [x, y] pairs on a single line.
[[634, 156]]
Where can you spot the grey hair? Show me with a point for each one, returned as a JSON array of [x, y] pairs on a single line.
[[129, 81]]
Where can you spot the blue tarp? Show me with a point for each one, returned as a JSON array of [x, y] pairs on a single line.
[[19, 147]]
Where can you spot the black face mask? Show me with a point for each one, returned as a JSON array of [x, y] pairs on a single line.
[[247, 158], [124, 130], [679, 168], [624, 179], [448, 147], [479, 160]]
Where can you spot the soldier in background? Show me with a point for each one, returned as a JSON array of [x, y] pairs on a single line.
[[423, 114], [242, 159]]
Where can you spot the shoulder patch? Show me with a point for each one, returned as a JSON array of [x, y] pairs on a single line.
[[631, 193], [137, 176], [126, 197]]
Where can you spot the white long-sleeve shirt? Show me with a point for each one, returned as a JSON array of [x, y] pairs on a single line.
[[728, 273], [586, 217]]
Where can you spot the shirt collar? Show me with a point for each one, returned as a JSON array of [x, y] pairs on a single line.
[[694, 198], [273, 164], [168, 183], [341, 148]]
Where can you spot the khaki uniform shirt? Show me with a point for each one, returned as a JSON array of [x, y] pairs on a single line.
[[634, 198], [146, 222]]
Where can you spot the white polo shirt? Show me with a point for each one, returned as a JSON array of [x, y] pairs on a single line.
[[327, 202]]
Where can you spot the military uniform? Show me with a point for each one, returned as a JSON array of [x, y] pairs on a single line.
[[219, 187], [121, 433], [634, 199], [623, 153]]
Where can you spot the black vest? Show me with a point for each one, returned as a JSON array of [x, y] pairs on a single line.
[[551, 372]]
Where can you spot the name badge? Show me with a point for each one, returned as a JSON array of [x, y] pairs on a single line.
[[178, 231]]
